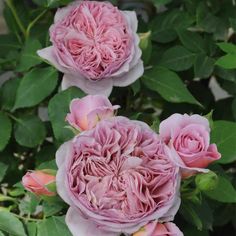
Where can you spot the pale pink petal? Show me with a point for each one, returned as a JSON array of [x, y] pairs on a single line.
[[48, 55], [81, 226], [172, 228], [62, 155], [103, 87], [130, 77]]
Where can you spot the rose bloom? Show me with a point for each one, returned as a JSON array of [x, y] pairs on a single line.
[[37, 181], [157, 229], [86, 112], [116, 178], [96, 46], [189, 139]]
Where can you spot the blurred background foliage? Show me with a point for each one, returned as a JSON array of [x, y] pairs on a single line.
[[190, 67]]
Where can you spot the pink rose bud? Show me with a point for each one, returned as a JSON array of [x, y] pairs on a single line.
[[189, 139], [37, 181], [157, 229], [96, 46], [86, 112]]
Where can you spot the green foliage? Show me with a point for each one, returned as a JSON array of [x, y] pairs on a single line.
[[58, 108], [5, 127], [224, 135], [53, 226], [29, 131], [224, 192], [10, 224], [168, 84], [35, 86]]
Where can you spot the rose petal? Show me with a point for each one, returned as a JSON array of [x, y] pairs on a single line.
[[103, 87], [130, 77], [80, 226], [48, 55]]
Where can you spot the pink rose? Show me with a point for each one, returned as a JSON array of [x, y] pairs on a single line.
[[86, 112], [37, 181], [189, 139], [157, 229], [116, 178], [96, 46]]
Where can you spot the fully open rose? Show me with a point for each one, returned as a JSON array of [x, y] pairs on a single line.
[[189, 139], [96, 46], [157, 229], [116, 178]]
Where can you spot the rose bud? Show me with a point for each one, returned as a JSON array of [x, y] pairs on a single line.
[[189, 140], [157, 229], [39, 182], [96, 46], [86, 112], [207, 181]]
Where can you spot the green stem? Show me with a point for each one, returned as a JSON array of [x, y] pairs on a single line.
[[32, 23], [13, 117], [26, 219], [14, 13]]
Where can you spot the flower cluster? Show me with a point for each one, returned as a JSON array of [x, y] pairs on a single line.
[[117, 175]]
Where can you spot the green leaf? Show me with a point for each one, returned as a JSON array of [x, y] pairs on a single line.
[[47, 3], [28, 205], [8, 93], [224, 192], [5, 127], [161, 2], [192, 41], [1, 233], [229, 75], [3, 170], [205, 19], [155, 125], [168, 85], [10, 224], [203, 66], [136, 87], [53, 226], [227, 47], [224, 136], [32, 228], [48, 164], [195, 232], [8, 43], [29, 131], [35, 86], [177, 58], [189, 213], [146, 46], [29, 56], [58, 108], [51, 208], [164, 25], [228, 61]]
